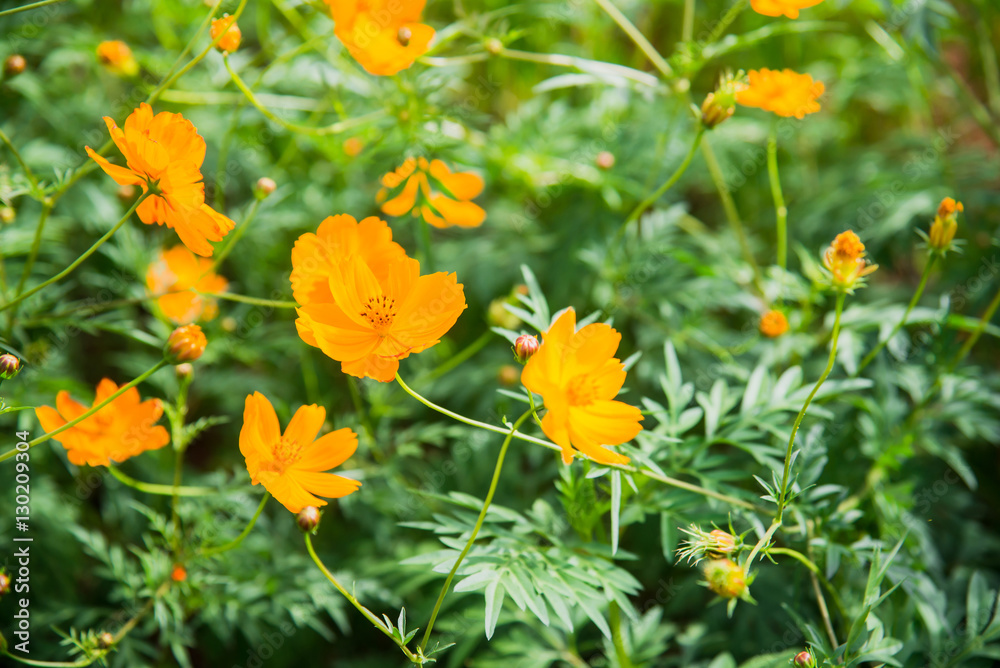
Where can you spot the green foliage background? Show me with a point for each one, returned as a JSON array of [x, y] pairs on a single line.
[[904, 488]]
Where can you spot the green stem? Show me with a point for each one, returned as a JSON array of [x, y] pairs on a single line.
[[765, 539], [781, 212], [687, 22], [637, 37], [229, 296], [460, 356], [615, 619], [476, 528], [36, 244], [17, 155], [90, 251], [902, 321], [732, 215], [726, 20], [368, 614], [72, 423], [8, 12], [235, 236], [212, 551], [162, 490], [649, 201], [783, 492], [667, 480], [971, 341], [798, 556]]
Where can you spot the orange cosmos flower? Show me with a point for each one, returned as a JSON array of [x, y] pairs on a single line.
[[117, 57], [122, 429], [786, 93], [773, 324], [185, 344], [291, 466], [444, 195], [164, 154], [578, 377], [384, 36], [789, 8], [945, 225], [231, 35], [178, 271], [845, 260]]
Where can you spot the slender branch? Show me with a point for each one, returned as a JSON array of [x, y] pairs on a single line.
[[687, 22], [219, 549], [235, 236], [597, 67], [36, 244], [17, 155], [475, 530], [780, 211], [971, 341], [615, 619], [162, 490], [902, 321], [229, 296], [637, 37], [726, 20], [459, 357], [72, 423], [15, 10]]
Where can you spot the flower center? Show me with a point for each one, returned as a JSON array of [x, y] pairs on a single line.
[[379, 312], [286, 452], [581, 391]]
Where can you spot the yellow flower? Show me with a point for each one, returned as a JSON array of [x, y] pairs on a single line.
[[291, 465], [578, 378], [845, 260], [384, 36], [786, 93], [117, 57], [945, 225], [444, 196], [789, 8], [773, 324], [178, 271], [231, 35]]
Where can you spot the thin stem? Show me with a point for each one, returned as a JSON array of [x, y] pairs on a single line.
[[667, 480], [219, 549], [235, 236], [615, 619], [971, 341], [637, 37], [17, 155], [460, 356], [362, 609], [902, 321], [476, 528], [726, 20], [783, 492], [72, 423], [76, 263], [162, 490], [649, 201], [687, 22], [732, 215], [29, 264], [229, 296], [781, 212], [8, 12], [582, 64], [177, 437], [761, 544]]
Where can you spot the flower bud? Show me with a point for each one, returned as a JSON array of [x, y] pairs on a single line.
[[498, 316], [722, 543], [230, 32], [184, 371], [106, 640], [264, 187], [773, 324], [229, 323], [945, 225], [4, 584], [117, 57], [14, 65], [353, 146], [725, 578], [126, 194], [845, 260], [804, 660], [508, 375], [10, 366], [179, 574], [494, 46], [7, 214], [605, 160], [186, 344], [525, 346], [404, 36], [720, 104], [308, 519]]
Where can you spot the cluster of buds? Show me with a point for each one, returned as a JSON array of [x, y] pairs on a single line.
[[720, 104], [714, 544], [942, 233], [845, 260], [230, 34], [725, 577], [186, 344], [10, 366]]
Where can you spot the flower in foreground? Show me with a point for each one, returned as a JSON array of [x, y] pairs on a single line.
[[789, 8], [714, 544], [384, 36], [444, 196], [124, 428], [178, 271], [845, 260], [785, 92], [230, 32], [185, 344], [117, 57], [164, 155], [773, 324], [725, 578], [291, 465], [945, 225], [578, 378]]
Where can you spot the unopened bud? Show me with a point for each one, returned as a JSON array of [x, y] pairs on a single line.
[[308, 518], [773, 324], [494, 46], [404, 36], [230, 32], [106, 640], [4, 584], [353, 146], [229, 323], [498, 315], [10, 366], [722, 543], [126, 194], [265, 187], [945, 225], [525, 346], [179, 574], [14, 65], [7, 214], [186, 344], [804, 660], [720, 104], [508, 375], [605, 160], [725, 578], [184, 371]]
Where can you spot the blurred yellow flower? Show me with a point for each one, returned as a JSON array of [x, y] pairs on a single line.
[[117, 57], [773, 324], [124, 428], [444, 195], [578, 378], [845, 260], [786, 93], [945, 224], [291, 465], [384, 36], [789, 8], [231, 35], [178, 271]]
